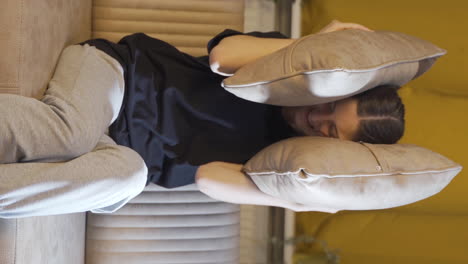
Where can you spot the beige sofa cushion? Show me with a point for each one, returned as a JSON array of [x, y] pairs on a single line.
[[321, 68], [344, 175]]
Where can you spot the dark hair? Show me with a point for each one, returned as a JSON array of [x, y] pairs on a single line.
[[382, 115]]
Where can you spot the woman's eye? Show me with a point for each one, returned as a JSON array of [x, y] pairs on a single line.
[[330, 108]]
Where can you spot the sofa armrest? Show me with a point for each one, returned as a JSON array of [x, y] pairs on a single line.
[[43, 240], [32, 35]]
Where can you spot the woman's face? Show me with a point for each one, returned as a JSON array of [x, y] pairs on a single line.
[[337, 119]]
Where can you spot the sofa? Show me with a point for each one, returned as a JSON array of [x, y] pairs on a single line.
[[180, 225], [434, 230]]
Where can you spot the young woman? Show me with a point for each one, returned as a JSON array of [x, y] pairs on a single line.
[[169, 107], [375, 116]]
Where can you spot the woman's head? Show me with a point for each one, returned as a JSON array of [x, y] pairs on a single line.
[[375, 116]]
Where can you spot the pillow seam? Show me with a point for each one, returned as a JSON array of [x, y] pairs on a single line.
[[311, 72], [354, 175]]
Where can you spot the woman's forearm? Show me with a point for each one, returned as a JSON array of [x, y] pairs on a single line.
[[236, 51], [226, 182]]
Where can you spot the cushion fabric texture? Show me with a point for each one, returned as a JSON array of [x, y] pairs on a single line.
[[321, 68], [345, 175], [31, 42]]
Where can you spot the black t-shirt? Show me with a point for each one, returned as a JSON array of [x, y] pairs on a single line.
[[177, 116]]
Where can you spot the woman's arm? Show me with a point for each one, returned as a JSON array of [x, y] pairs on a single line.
[[236, 51], [336, 25], [226, 182]]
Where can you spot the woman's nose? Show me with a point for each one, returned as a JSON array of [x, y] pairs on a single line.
[[320, 122]]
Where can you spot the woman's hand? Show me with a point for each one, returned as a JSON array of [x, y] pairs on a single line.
[[336, 25], [236, 51], [296, 207]]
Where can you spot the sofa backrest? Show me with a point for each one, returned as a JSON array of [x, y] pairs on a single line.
[[160, 225], [186, 24]]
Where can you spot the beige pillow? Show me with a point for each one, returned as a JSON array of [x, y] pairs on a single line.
[[327, 67], [344, 175]]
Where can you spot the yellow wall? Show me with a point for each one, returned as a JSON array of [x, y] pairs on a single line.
[[444, 23], [434, 230]]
